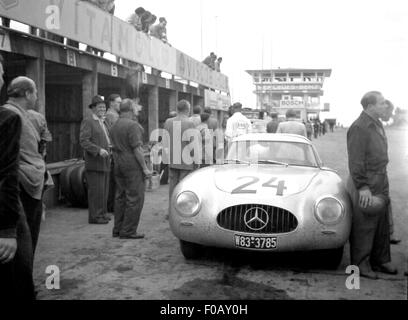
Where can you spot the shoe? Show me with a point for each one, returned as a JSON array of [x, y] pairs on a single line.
[[394, 241], [107, 217], [99, 221], [387, 268], [370, 274], [133, 236]]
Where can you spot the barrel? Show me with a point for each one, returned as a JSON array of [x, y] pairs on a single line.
[[73, 185]]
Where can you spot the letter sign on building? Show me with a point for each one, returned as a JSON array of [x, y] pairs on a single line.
[[114, 70], [292, 104]]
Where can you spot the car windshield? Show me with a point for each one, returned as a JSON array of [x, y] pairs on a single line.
[[272, 152]]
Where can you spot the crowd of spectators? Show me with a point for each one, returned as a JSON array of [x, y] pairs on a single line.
[[314, 127], [144, 21], [213, 62]]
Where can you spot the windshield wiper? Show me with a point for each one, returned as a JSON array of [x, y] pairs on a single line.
[[273, 162], [236, 161]]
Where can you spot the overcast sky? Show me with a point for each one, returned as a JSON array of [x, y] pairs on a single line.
[[365, 43]]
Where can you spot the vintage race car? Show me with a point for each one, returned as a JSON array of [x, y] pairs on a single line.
[[272, 194]]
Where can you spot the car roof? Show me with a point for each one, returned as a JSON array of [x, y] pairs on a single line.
[[281, 137]]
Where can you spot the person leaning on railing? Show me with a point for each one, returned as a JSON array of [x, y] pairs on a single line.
[[159, 30], [136, 18]]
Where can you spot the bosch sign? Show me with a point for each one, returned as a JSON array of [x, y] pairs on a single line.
[[292, 104]]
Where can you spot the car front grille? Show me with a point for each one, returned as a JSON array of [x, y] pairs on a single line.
[[278, 219]]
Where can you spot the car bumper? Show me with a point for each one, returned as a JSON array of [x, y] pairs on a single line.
[[309, 235]]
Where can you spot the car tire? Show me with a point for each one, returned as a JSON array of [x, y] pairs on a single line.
[[191, 250], [331, 258], [78, 185], [65, 183]]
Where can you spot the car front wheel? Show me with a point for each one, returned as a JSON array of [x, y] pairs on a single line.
[[191, 250]]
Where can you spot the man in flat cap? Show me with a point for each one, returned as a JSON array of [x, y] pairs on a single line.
[[95, 140]]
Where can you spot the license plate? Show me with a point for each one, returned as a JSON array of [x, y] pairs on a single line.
[[254, 242]]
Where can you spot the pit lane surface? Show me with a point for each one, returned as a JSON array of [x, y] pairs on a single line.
[[93, 265]]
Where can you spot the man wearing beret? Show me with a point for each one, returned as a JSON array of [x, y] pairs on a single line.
[[96, 143]]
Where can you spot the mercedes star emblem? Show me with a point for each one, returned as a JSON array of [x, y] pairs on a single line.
[[256, 218]]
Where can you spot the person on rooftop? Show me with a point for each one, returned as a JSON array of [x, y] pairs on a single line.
[[217, 64], [159, 30], [136, 18]]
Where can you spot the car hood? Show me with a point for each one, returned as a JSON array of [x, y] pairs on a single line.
[[263, 180]]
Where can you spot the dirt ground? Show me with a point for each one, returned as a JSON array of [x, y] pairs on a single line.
[[93, 265]]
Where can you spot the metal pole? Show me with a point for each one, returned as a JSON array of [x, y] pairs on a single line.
[[201, 16], [216, 34], [263, 35]]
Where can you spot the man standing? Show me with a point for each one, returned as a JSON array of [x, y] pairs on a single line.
[[217, 133], [112, 115], [130, 173], [16, 256], [207, 150], [309, 130], [40, 124], [217, 64], [237, 124], [368, 183], [212, 121], [113, 105], [94, 139], [195, 118], [165, 164], [22, 93], [176, 127], [291, 125], [272, 125]]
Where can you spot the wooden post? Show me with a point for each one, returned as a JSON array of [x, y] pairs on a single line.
[[173, 101], [89, 89], [200, 101], [35, 70], [153, 122]]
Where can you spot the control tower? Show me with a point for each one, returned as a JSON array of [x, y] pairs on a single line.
[[278, 90]]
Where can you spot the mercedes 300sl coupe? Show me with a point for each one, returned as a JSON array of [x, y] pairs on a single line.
[[272, 194]]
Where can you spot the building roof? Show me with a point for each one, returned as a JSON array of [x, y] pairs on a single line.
[[327, 72]]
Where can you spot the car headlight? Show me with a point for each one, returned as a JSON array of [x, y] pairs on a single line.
[[187, 204], [329, 210]]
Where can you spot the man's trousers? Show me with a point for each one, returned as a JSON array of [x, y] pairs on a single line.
[[130, 194], [16, 277], [33, 209], [98, 190], [112, 188], [370, 233], [175, 176]]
